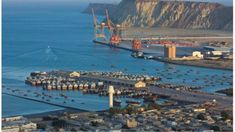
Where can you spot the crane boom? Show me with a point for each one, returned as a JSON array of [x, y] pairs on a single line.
[[94, 18], [108, 20]]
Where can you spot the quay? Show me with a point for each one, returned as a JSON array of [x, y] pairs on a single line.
[[125, 46], [152, 50]]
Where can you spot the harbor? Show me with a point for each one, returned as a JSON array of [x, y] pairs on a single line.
[[48, 54], [96, 83], [61, 71]]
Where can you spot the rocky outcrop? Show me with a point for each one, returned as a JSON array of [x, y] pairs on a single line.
[[99, 8], [175, 14]]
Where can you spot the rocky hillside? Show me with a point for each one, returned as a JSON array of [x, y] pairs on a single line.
[[99, 8], [176, 14]]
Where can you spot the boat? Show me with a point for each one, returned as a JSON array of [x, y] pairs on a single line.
[[150, 99], [117, 102], [62, 95], [137, 54], [133, 102], [149, 57]]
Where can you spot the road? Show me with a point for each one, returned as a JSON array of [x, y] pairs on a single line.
[[194, 97]]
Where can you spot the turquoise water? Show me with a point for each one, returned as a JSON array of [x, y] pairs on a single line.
[[56, 36]]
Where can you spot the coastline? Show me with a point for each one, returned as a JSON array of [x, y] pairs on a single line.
[[53, 112], [191, 64], [170, 61]]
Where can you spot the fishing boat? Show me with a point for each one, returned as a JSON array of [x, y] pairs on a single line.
[[133, 102], [138, 54], [150, 99], [117, 102]]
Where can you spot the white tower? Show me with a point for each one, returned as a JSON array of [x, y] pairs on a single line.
[[111, 92]]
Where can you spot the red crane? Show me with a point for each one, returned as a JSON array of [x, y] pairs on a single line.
[[136, 44], [115, 39]]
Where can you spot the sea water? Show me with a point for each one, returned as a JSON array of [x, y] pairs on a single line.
[[44, 37]]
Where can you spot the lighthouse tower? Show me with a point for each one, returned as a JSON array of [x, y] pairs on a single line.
[[111, 92]]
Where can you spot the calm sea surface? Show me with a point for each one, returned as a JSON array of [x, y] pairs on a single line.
[[58, 37]]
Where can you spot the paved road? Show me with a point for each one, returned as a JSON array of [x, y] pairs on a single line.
[[195, 97]]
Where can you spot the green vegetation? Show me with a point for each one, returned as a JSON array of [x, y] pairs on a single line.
[[74, 130], [152, 106], [127, 110], [48, 118], [60, 124], [94, 123], [41, 126], [215, 128], [228, 92], [201, 116], [225, 115], [132, 109]]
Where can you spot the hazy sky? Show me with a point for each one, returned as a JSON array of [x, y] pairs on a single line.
[[225, 2]]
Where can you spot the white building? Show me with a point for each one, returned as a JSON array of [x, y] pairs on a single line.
[[140, 84], [74, 74], [217, 53], [18, 123], [197, 54]]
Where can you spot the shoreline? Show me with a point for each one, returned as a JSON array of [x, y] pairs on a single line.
[[53, 112], [187, 64], [166, 61]]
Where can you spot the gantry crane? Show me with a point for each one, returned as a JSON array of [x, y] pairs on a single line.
[[98, 28], [114, 30]]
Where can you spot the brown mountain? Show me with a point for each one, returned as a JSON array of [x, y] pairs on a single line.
[[99, 8], [175, 14]]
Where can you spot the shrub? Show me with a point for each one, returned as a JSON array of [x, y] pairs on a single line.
[[60, 124], [201, 116], [215, 128], [224, 115]]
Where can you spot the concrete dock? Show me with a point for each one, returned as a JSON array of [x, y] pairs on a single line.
[[156, 50]]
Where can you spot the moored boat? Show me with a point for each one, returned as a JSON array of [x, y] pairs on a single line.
[[133, 102], [117, 102]]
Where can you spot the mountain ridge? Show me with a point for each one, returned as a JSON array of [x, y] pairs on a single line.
[[174, 14]]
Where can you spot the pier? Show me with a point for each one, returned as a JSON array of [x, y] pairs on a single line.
[[125, 84]]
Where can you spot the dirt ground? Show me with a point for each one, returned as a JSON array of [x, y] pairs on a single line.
[[218, 64], [215, 37]]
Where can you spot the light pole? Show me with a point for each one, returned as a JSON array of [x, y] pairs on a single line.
[[111, 92]]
